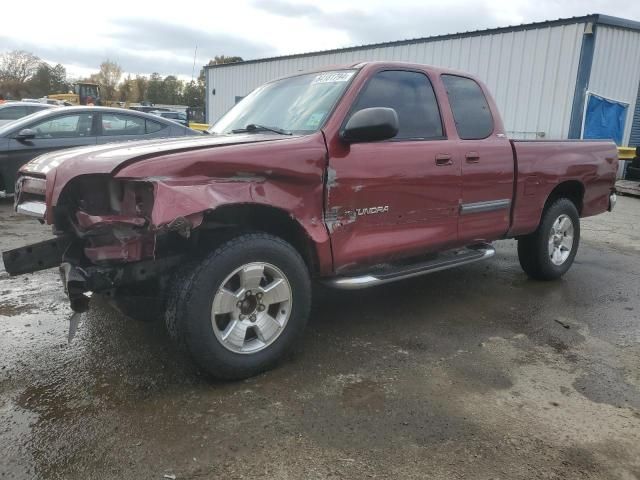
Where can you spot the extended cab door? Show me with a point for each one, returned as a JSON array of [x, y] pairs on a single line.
[[394, 198], [486, 158]]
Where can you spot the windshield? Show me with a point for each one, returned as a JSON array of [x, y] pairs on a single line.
[[298, 104]]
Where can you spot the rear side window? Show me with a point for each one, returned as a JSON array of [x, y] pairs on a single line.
[[469, 106], [114, 124], [153, 127], [411, 95]]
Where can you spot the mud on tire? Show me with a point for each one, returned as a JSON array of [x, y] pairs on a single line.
[[242, 307]]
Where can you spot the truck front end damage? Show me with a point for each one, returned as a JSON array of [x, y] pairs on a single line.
[[104, 237]]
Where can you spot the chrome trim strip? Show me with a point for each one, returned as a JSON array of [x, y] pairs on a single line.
[[355, 283], [33, 209], [479, 207]]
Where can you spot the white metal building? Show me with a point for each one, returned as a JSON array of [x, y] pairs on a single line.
[[541, 74]]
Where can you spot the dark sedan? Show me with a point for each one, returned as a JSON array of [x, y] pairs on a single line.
[[59, 128]]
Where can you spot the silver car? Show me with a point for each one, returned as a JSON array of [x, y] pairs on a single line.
[[58, 128], [12, 111]]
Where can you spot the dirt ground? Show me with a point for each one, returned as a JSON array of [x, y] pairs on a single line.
[[474, 373]]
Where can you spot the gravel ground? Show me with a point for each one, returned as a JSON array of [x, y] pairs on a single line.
[[475, 373]]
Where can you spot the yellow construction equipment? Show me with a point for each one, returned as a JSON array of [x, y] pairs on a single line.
[[86, 93]]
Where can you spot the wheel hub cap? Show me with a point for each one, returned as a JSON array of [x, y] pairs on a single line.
[[561, 240], [251, 308]]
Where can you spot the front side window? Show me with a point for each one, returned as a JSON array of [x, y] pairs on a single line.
[[469, 106], [298, 104], [411, 95], [13, 113], [119, 124], [65, 126]]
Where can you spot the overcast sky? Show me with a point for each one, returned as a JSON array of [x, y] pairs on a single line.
[[147, 37]]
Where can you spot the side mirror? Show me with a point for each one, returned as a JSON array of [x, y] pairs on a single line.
[[25, 134], [371, 125]]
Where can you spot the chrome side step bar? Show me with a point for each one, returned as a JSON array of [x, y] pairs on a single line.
[[445, 261]]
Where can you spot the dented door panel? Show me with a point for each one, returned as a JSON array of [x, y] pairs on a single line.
[[391, 199]]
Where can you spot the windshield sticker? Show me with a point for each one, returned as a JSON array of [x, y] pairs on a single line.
[[332, 77], [314, 120]]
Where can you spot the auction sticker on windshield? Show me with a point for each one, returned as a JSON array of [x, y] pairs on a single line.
[[332, 77]]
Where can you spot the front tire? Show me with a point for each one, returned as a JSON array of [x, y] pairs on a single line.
[[548, 253], [243, 307]]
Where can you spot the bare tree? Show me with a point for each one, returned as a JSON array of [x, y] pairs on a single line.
[[108, 78], [18, 66]]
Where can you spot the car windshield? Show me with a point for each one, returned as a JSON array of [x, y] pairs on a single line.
[[297, 104]]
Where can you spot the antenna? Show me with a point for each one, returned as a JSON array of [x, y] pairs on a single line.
[[193, 69]]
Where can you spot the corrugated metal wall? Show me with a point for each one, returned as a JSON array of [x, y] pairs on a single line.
[[532, 73], [634, 138], [615, 72]]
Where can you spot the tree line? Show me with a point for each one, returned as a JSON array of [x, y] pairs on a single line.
[[24, 75]]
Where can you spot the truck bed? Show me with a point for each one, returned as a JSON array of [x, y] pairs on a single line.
[[544, 165]]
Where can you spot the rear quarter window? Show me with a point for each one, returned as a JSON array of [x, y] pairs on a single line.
[[469, 106], [153, 127]]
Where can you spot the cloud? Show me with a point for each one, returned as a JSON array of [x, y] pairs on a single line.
[[153, 35], [287, 9], [393, 24], [146, 46]]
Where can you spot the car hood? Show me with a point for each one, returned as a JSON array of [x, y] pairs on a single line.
[[104, 159]]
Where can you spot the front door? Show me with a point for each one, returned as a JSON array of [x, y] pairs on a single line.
[[61, 131], [399, 197]]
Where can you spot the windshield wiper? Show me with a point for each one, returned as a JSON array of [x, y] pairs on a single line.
[[254, 127]]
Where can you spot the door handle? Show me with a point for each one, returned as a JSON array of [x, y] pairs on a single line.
[[472, 157], [443, 159]]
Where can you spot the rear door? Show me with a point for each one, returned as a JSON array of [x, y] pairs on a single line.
[[487, 163], [399, 197], [53, 133]]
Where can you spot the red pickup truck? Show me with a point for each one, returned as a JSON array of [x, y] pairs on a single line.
[[354, 177]]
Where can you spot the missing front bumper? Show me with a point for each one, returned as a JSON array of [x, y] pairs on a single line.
[[78, 275], [36, 257], [78, 280]]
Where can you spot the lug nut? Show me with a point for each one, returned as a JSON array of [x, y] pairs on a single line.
[[253, 317], [259, 295], [261, 308], [239, 304], [241, 317], [247, 293]]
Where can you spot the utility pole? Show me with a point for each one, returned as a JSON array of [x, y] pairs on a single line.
[[193, 69]]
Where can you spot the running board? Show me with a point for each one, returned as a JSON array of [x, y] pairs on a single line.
[[393, 273]]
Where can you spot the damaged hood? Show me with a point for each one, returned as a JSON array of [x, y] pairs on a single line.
[[109, 157]]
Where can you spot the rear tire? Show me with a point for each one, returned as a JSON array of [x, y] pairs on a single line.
[[548, 253], [243, 307]]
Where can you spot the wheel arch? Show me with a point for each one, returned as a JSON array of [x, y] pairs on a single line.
[[570, 189], [233, 218]]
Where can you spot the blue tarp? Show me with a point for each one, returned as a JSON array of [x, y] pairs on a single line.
[[604, 119]]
